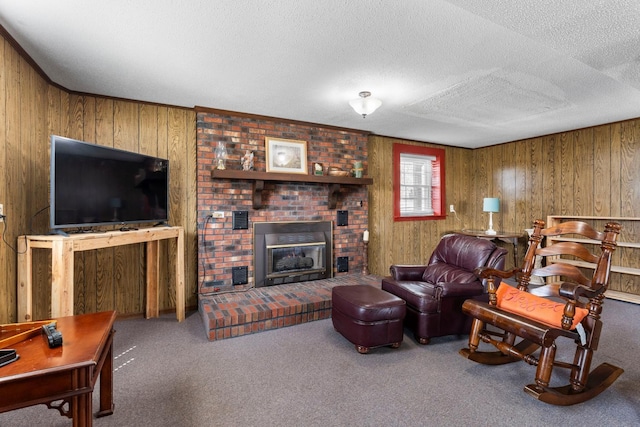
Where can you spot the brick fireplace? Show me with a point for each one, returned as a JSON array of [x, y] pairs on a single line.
[[223, 249]]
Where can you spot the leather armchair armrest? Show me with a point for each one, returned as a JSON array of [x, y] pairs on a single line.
[[454, 289], [407, 272]]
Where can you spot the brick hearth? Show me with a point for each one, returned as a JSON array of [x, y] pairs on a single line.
[[232, 314]]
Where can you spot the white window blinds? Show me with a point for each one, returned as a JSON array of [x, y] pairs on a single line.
[[416, 173]]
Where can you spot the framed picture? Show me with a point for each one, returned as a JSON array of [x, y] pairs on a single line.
[[286, 155]]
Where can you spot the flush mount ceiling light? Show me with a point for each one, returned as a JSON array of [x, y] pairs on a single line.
[[365, 104]]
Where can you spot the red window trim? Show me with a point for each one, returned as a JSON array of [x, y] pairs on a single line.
[[438, 175]]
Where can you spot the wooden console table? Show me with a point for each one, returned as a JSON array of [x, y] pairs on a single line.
[[62, 269], [44, 375], [505, 236]]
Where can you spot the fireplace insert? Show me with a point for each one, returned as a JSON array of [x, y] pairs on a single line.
[[288, 252]]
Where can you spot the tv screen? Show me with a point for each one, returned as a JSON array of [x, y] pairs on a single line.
[[96, 185]]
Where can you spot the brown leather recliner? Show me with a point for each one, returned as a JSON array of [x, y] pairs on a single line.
[[434, 293]]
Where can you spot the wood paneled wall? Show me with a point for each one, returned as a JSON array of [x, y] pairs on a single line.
[[411, 242], [590, 172], [23, 120], [33, 110]]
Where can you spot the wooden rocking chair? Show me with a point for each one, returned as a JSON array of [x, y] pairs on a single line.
[[531, 320]]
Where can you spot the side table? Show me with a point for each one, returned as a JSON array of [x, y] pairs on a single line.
[[68, 373], [505, 236]]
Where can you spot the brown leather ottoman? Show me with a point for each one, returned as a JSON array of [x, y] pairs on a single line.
[[367, 316]]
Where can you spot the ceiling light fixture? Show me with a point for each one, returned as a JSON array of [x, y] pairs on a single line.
[[365, 104]]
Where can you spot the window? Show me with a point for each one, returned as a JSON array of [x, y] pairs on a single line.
[[418, 182]]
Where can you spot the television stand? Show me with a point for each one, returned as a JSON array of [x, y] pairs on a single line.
[[63, 249]]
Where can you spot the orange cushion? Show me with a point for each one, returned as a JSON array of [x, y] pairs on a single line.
[[535, 307]]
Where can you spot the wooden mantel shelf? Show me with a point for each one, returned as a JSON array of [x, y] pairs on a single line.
[[259, 178]]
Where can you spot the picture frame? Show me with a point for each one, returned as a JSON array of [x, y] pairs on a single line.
[[286, 155]]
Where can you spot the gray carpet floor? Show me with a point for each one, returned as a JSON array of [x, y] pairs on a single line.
[[168, 374]]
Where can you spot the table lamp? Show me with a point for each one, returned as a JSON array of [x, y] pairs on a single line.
[[491, 205]]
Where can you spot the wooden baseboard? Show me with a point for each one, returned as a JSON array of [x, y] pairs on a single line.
[[623, 296]]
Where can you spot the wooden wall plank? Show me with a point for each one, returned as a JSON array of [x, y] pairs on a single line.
[[76, 120], [76, 131], [508, 186], [520, 176], [534, 194], [629, 170], [373, 227], [40, 156], [176, 145], [105, 268], [20, 222], [602, 182], [469, 207], [549, 179], [191, 218], [150, 144], [148, 128], [457, 164], [7, 310], [38, 200], [128, 260], [89, 258], [13, 203], [615, 170], [567, 174], [558, 192], [483, 188], [494, 159], [583, 172], [380, 255], [162, 150]]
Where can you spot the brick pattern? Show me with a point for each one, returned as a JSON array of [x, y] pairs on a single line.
[[219, 247], [233, 314]]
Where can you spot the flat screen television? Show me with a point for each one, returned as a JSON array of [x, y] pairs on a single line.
[[94, 185]]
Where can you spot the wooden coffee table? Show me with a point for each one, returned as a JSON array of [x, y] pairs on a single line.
[[63, 378]]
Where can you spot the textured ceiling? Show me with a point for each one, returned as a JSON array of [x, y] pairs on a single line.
[[467, 73]]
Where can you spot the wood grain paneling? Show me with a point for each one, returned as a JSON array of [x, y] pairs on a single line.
[[33, 110], [411, 242], [590, 171], [508, 185], [602, 205], [9, 310], [128, 260], [584, 172]]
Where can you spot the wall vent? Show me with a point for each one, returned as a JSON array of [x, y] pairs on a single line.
[[240, 275]]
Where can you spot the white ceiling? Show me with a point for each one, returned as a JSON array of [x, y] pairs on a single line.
[[468, 73]]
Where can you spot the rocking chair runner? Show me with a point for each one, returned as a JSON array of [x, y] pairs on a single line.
[[529, 320]]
